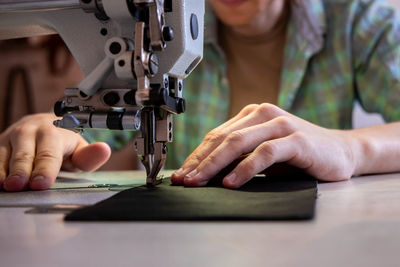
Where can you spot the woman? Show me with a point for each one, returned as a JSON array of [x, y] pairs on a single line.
[[302, 63]]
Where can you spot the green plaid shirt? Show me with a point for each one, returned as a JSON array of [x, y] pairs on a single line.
[[337, 52]]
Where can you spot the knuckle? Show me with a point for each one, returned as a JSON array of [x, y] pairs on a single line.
[[22, 157], [214, 136], [249, 167], [285, 123], [42, 171], [211, 160], [46, 155], [235, 140], [48, 132], [300, 138], [192, 160], [267, 150], [235, 137], [268, 111], [19, 172], [249, 109], [22, 130]]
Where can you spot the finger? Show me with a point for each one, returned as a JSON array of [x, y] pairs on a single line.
[[238, 143], [268, 153], [23, 148], [90, 157], [242, 114], [192, 161], [254, 116], [48, 159], [4, 155], [212, 135]]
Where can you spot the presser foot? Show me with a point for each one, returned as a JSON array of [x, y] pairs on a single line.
[[153, 181], [153, 165]]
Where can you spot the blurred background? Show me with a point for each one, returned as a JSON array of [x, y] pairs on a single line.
[[395, 3], [35, 71]]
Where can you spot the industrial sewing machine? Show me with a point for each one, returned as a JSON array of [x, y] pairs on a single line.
[[134, 54]]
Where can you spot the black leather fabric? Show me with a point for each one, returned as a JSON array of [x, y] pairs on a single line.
[[260, 199]]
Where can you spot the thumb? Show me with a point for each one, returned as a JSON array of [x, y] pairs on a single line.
[[90, 157]]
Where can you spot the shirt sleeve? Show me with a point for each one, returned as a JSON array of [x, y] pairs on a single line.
[[376, 59]]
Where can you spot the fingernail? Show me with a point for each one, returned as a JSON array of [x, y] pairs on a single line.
[[39, 182], [231, 178], [191, 174], [178, 172], [15, 183]]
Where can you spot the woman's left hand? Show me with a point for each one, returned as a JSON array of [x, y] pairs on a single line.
[[271, 135]]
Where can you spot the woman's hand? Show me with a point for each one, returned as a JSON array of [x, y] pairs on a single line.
[[32, 152], [270, 135]]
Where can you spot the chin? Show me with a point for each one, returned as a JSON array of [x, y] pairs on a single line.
[[237, 21], [241, 13]]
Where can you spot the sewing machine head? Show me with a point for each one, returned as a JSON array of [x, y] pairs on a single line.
[[134, 54]]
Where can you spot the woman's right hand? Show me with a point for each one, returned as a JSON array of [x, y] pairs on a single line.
[[33, 150]]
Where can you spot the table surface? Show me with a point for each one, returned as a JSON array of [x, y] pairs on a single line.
[[357, 223]]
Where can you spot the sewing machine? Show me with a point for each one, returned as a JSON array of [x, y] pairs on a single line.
[[134, 54]]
